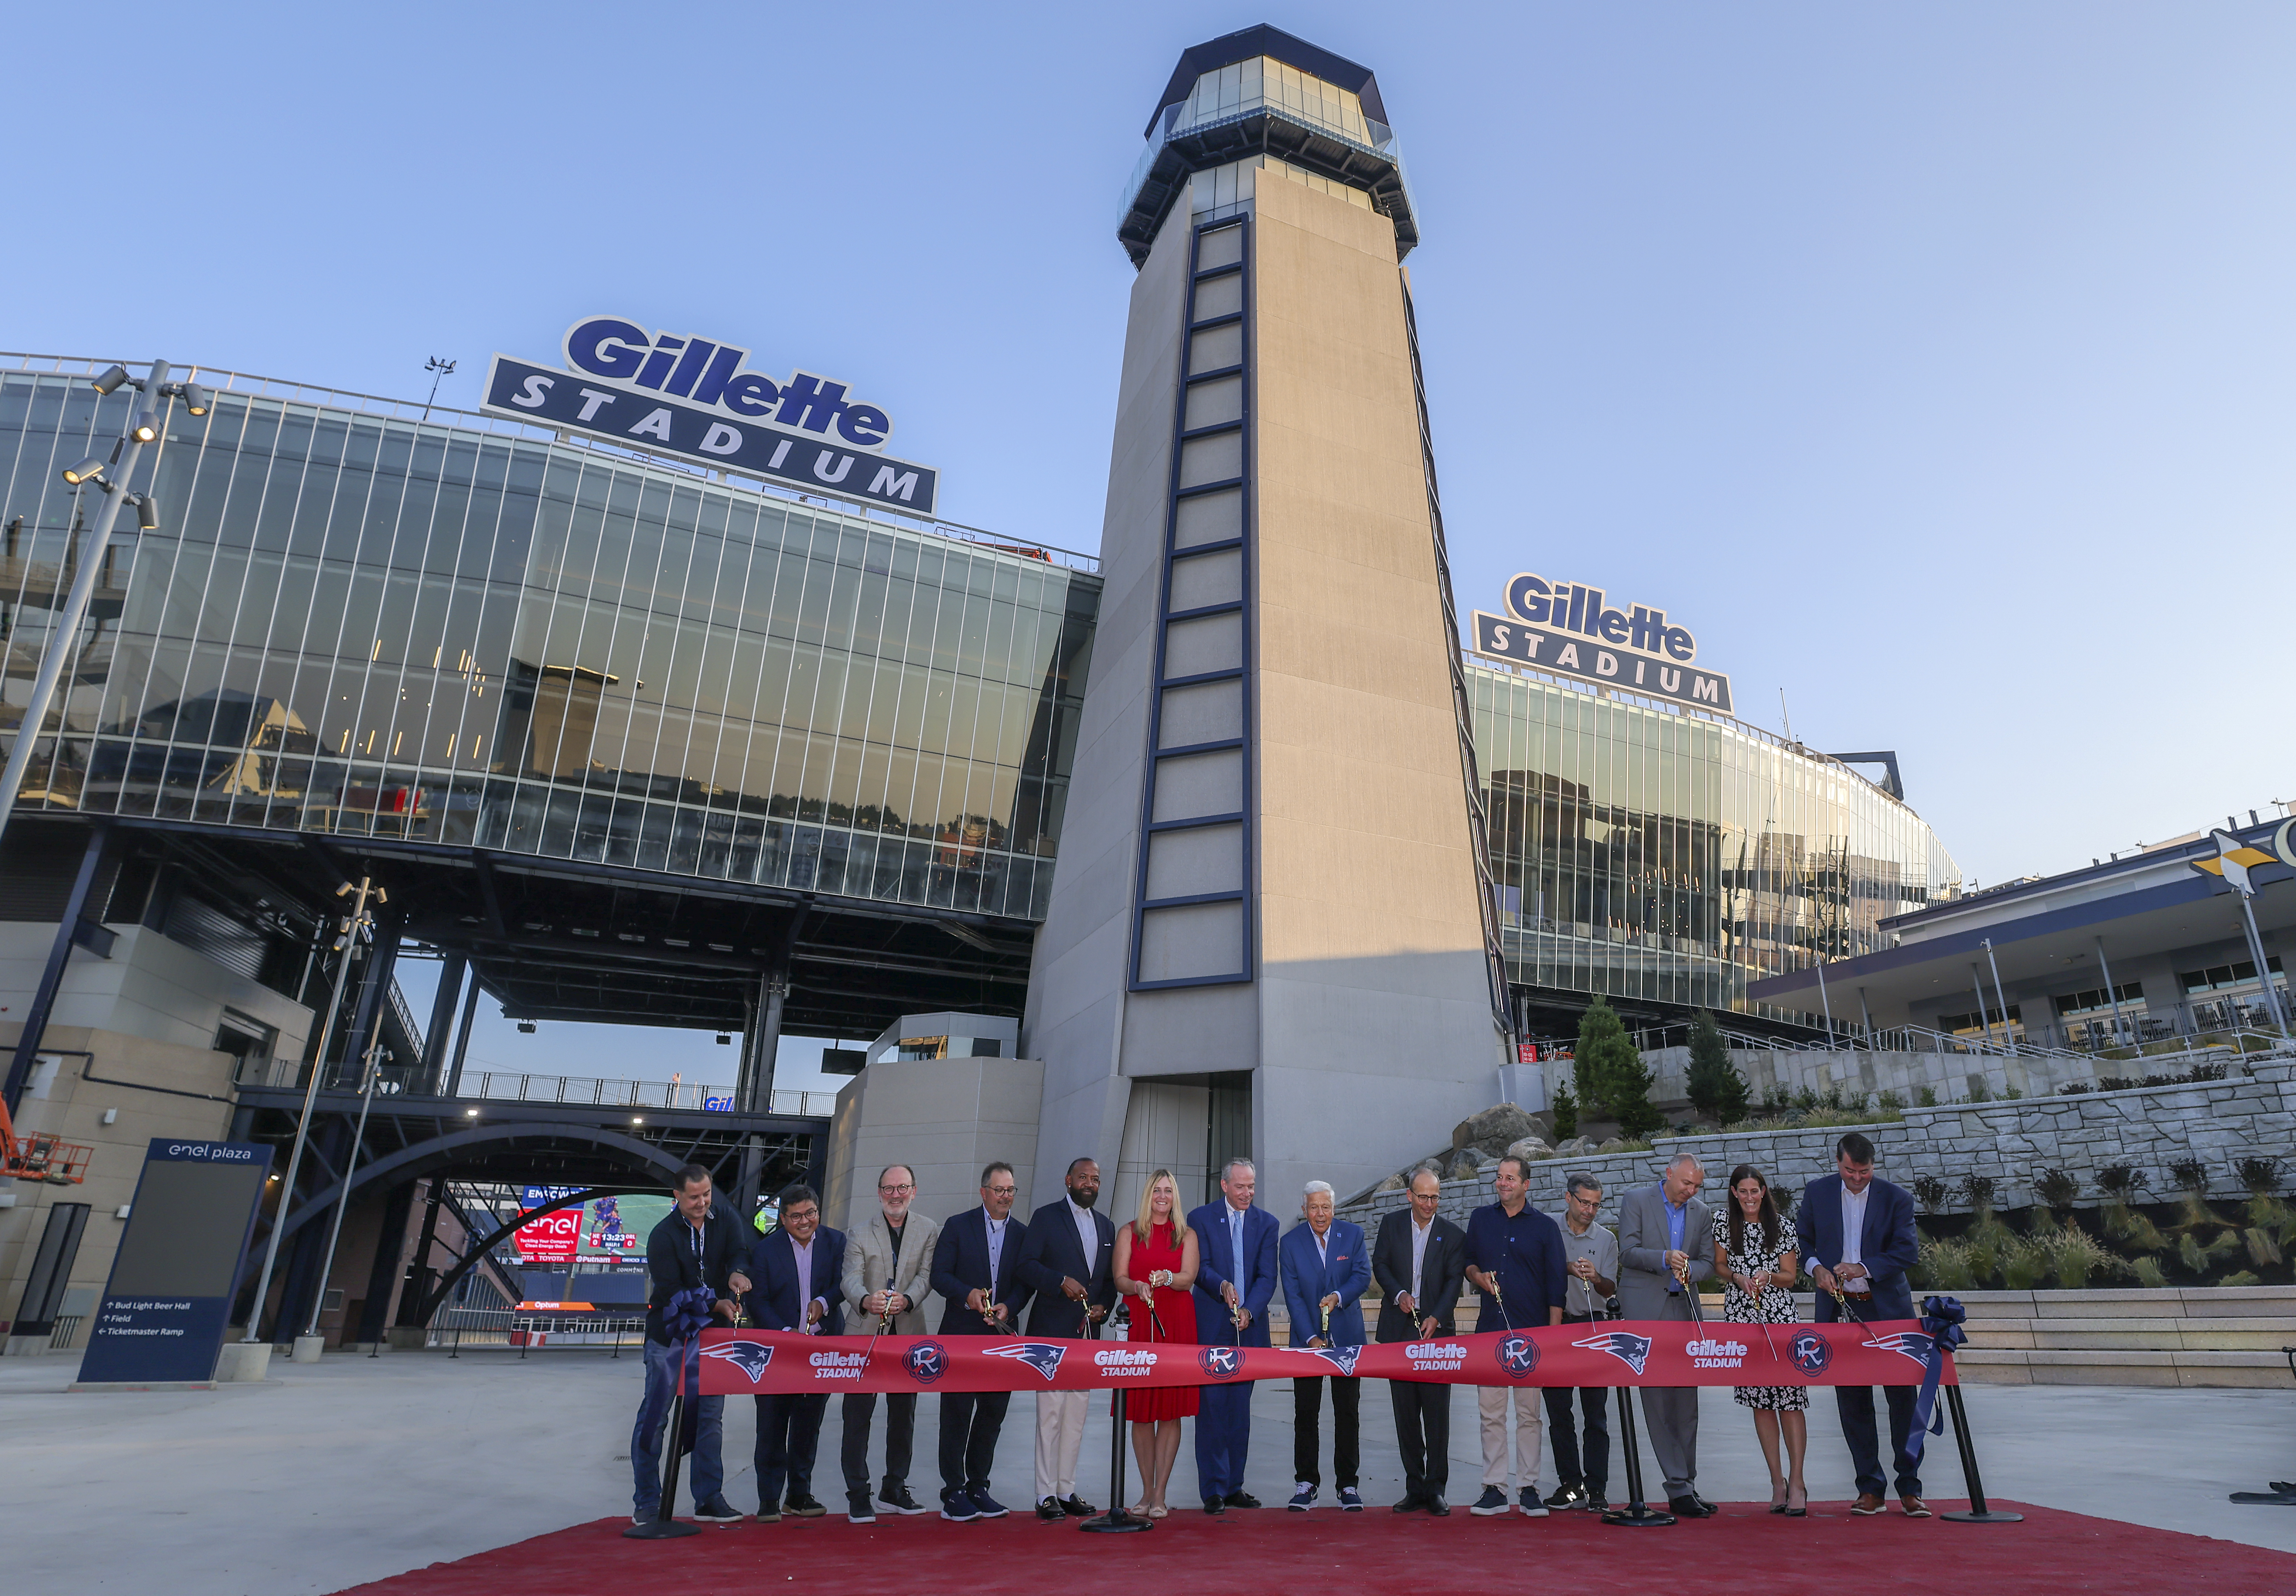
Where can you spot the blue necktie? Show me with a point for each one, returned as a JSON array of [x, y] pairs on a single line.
[[1235, 1246]]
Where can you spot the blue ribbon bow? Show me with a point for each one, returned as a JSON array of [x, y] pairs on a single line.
[[1941, 1321], [683, 1315]]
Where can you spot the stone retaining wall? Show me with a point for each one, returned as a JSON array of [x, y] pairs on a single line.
[[2217, 1122]]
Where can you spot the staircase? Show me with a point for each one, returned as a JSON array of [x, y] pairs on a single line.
[[2211, 1335]]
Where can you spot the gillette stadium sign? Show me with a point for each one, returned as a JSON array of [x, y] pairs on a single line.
[[1572, 630], [695, 398]]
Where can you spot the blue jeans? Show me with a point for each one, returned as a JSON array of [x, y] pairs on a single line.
[[646, 1441]]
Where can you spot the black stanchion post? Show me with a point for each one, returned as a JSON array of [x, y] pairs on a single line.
[[1978, 1513], [661, 1526], [1116, 1520], [1636, 1514]]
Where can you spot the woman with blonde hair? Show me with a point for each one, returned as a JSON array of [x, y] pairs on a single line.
[[1156, 1264]]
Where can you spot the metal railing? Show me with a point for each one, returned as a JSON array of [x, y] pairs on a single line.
[[504, 1329], [248, 385], [528, 1086]]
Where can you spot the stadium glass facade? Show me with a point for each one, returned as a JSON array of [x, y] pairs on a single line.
[[466, 631], [1647, 852]]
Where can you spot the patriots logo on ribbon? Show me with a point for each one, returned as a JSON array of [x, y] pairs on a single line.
[[1629, 1348], [1906, 1343], [1517, 1355], [1043, 1356], [1810, 1353], [1221, 1363], [926, 1361], [751, 1358], [1342, 1358]]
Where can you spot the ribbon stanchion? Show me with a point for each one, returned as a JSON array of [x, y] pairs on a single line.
[[1117, 1519], [1941, 1321], [683, 1316], [1637, 1514]]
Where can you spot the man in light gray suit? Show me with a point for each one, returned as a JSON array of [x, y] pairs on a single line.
[[888, 1271], [1665, 1248]]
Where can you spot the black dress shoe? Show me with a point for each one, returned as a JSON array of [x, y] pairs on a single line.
[[1076, 1507], [1437, 1506], [1242, 1499], [1410, 1504], [1049, 1511], [1215, 1506], [1689, 1506]]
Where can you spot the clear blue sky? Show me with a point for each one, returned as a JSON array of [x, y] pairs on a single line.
[[1937, 364]]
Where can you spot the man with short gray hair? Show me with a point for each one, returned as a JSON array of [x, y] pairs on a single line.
[[1236, 1280], [1325, 1267], [1590, 1258], [1419, 1262], [888, 1272], [1664, 1248]]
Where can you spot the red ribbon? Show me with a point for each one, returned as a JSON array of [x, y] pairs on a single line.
[[1619, 1353]]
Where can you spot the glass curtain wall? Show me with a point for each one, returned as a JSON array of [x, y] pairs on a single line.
[[362, 624], [1641, 853]]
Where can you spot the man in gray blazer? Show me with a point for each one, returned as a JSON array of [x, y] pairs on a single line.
[[1664, 1248], [888, 1271]]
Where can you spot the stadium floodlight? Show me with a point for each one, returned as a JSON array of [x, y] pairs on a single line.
[[147, 513], [111, 379], [86, 470], [196, 399], [146, 429]]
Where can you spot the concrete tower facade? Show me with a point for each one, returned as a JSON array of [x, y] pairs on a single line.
[[1270, 933]]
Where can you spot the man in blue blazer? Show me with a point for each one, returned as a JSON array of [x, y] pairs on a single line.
[[1325, 1267], [1069, 1264], [1857, 1236], [976, 1268], [795, 1269], [1235, 1281]]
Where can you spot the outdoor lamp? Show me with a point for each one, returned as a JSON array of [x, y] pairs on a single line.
[[93, 466], [196, 399], [147, 427], [147, 513], [111, 379]]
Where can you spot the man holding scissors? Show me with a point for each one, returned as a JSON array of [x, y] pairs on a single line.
[[1514, 1258], [1664, 1250], [1235, 1281], [888, 1272], [1590, 1254], [1418, 1261]]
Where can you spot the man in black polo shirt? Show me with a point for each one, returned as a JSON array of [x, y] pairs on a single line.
[[694, 1246], [1514, 1258]]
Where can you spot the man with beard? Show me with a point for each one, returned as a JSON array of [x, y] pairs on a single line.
[[1067, 1260]]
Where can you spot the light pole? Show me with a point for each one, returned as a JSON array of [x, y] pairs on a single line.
[[439, 371], [353, 927], [351, 1167], [111, 474], [2008, 1037]]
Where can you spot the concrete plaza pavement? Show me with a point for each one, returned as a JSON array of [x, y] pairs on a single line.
[[331, 1474]]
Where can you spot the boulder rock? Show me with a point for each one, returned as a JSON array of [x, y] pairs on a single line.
[[1529, 1147], [1615, 1145], [1464, 1167], [1393, 1183], [1576, 1147], [1495, 1129]]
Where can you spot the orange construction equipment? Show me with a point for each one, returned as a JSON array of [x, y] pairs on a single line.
[[40, 1158]]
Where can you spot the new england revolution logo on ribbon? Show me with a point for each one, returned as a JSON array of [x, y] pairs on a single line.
[[1906, 1343], [1221, 1363], [1517, 1355], [1629, 1348], [1342, 1358], [1043, 1356], [926, 1361], [1810, 1353], [751, 1358]]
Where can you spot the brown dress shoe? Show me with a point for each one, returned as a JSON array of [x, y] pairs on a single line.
[[1866, 1505], [1915, 1508]]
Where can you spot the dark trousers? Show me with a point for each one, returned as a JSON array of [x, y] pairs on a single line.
[[1857, 1428], [1422, 1434], [788, 1429], [1307, 1416], [1223, 1438], [1580, 1461], [970, 1422], [901, 1436]]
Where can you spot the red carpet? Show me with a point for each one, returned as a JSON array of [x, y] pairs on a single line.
[[1272, 1552]]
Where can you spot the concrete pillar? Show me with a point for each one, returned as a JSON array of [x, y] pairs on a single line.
[[438, 1036]]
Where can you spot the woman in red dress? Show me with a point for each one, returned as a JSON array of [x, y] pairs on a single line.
[[1156, 1263]]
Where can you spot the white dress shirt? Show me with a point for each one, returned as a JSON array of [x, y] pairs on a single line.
[[1853, 1237], [995, 1248], [805, 1298], [1419, 1235], [1088, 1234]]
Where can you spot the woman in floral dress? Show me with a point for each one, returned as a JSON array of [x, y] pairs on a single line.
[[1756, 1254]]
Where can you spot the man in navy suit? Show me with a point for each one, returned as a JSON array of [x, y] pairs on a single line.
[[1857, 1237], [796, 1268], [1235, 1281], [1069, 1261], [976, 1270], [1325, 1267]]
